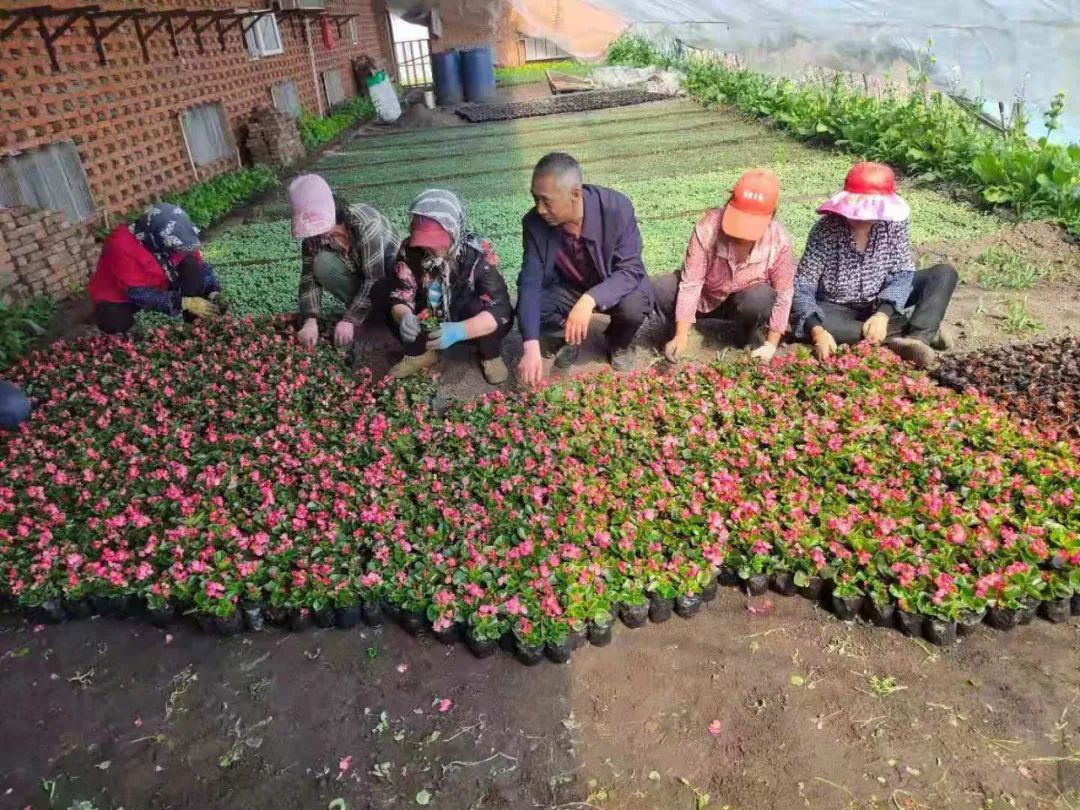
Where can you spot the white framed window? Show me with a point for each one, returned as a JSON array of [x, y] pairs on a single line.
[[206, 131], [354, 33], [50, 177], [286, 98], [335, 91], [264, 38]]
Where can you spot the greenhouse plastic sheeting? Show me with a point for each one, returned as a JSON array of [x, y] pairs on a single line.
[[999, 50]]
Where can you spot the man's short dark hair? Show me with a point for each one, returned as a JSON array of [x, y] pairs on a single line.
[[560, 164]]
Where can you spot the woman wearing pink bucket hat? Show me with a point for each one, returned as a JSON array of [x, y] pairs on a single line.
[[857, 280]]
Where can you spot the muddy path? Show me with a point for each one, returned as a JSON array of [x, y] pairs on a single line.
[[762, 703]]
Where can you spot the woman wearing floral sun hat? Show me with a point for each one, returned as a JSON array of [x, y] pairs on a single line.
[[857, 279]]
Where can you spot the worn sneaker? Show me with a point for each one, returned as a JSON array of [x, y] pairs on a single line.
[[566, 356], [623, 359], [944, 340], [494, 371], [913, 350], [550, 345], [414, 364]]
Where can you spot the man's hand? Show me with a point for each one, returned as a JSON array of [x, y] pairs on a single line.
[[765, 352], [824, 343], [446, 336], [308, 334], [531, 367], [676, 347], [409, 326], [875, 328], [344, 333], [199, 307], [577, 322]]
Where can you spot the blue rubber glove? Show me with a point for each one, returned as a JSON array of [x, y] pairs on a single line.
[[447, 335]]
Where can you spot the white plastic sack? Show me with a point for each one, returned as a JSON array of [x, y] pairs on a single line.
[[666, 83], [387, 105], [650, 79], [617, 78]]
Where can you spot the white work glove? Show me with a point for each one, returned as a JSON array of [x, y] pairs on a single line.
[[409, 327], [875, 328], [765, 352]]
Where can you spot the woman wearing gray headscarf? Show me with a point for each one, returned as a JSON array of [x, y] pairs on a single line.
[[447, 274]]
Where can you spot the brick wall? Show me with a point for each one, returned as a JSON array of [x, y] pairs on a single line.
[[124, 117], [41, 253]]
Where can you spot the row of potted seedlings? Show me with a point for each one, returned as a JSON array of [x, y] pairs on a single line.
[[566, 636]]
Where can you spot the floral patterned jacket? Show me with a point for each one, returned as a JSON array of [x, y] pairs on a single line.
[[474, 276]]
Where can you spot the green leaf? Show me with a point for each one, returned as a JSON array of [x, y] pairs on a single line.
[[337, 804], [423, 798], [797, 680]]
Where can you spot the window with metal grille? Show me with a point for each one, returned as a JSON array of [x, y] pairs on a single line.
[[335, 93], [286, 98], [264, 38], [206, 131], [50, 177]]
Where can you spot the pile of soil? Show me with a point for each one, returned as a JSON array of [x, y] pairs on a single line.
[[578, 102], [1039, 382], [1042, 243]]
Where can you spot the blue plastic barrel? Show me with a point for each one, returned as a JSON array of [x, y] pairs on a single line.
[[446, 72], [478, 74]]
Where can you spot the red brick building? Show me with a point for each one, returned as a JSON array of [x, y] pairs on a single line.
[[142, 103]]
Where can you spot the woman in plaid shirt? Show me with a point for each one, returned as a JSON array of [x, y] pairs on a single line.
[[347, 250]]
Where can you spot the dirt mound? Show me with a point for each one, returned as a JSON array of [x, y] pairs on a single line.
[[1042, 243]]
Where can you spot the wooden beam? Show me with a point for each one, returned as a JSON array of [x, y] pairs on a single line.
[[49, 35], [101, 34]]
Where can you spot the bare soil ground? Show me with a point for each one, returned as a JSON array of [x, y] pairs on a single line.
[[809, 711]]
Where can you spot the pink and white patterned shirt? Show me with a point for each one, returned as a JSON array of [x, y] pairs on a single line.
[[709, 275]]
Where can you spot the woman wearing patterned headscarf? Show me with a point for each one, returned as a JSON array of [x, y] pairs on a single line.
[[153, 264], [448, 272]]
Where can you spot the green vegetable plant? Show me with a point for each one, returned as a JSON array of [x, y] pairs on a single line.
[[210, 200], [20, 324], [316, 130]]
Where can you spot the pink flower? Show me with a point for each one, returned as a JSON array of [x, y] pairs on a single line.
[[344, 764], [714, 727], [215, 590], [445, 705], [402, 668]]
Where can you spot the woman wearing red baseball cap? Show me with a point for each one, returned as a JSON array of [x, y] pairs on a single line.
[[857, 280], [739, 266], [451, 276]]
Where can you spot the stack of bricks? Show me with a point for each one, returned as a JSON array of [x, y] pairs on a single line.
[[41, 253], [273, 137]]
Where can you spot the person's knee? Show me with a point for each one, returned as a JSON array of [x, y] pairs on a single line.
[[634, 308], [666, 289], [14, 407], [326, 266], [756, 303], [115, 320], [945, 275]]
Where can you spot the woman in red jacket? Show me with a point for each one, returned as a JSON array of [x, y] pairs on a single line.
[[154, 264]]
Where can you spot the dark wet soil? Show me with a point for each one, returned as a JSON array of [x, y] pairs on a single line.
[[807, 712]]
